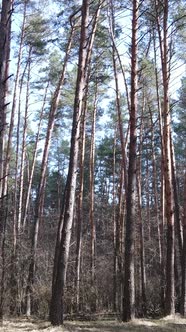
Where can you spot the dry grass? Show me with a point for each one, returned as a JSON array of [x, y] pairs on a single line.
[[167, 324], [29, 325]]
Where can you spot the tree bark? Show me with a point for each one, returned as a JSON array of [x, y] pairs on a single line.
[[129, 287], [115, 262], [42, 180], [91, 208], [183, 296], [23, 152], [162, 196], [141, 222], [66, 219], [169, 194], [30, 177], [5, 31], [80, 211], [82, 152]]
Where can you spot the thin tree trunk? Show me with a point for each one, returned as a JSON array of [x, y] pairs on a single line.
[[183, 294], [169, 194], [3, 266], [5, 31], [13, 109], [155, 190], [26, 206], [115, 272], [59, 275], [23, 153], [141, 225], [118, 103], [80, 212], [129, 287], [14, 259], [42, 180], [91, 209], [82, 152], [119, 236], [15, 256], [178, 226], [178, 223], [162, 196]]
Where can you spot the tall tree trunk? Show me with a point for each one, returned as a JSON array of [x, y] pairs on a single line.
[[26, 206], [162, 194], [129, 287], [115, 267], [15, 255], [178, 224], [183, 296], [23, 152], [118, 102], [148, 200], [80, 211], [141, 225], [14, 259], [119, 236], [66, 219], [123, 179], [82, 152], [3, 266], [42, 180], [91, 209], [14, 101], [5, 31], [169, 193], [154, 170]]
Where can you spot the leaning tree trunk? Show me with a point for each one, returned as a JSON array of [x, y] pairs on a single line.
[[66, 219], [34, 158], [23, 152], [129, 287], [42, 180]]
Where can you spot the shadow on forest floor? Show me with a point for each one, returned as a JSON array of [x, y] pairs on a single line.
[[162, 325], [167, 324]]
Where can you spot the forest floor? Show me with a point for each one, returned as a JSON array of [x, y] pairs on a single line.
[[167, 324]]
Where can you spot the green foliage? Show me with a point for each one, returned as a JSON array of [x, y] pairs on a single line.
[[36, 34]]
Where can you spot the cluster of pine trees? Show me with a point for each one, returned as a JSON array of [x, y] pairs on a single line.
[[92, 158]]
